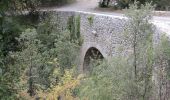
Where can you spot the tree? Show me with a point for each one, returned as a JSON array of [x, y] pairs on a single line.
[[10, 29], [139, 27], [12, 67], [162, 67], [64, 45], [30, 58], [111, 80], [141, 33], [36, 54]]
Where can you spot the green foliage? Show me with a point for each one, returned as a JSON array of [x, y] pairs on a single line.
[[32, 63], [90, 19], [162, 68], [68, 43], [64, 89], [10, 29], [104, 3], [64, 45], [160, 4], [17, 71], [139, 29], [139, 15], [164, 47], [55, 2], [66, 51], [9, 79], [48, 32], [29, 58], [111, 80], [140, 35], [35, 59], [123, 3], [17, 6], [164, 53], [74, 28]]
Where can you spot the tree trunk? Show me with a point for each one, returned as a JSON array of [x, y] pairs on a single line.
[[30, 83]]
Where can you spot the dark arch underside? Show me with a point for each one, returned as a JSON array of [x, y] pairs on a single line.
[[91, 54]]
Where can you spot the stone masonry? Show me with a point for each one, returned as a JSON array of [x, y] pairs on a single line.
[[103, 32]]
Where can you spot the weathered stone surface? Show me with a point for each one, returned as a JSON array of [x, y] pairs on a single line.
[[104, 32]]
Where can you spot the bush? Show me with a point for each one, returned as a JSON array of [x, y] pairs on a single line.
[[123, 3], [55, 2], [111, 80], [104, 3]]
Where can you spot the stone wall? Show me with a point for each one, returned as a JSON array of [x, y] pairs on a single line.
[[99, 31]]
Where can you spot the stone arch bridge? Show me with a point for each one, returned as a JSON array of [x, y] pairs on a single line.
[[102, 33]]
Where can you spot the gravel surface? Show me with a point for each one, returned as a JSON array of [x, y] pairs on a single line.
[[161, 18]]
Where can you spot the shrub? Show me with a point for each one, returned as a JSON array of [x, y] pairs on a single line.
[[55, 2], [104, 3], [111, 80], [123, 3]]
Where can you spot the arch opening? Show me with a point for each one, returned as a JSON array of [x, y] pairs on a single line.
[[91, 54]]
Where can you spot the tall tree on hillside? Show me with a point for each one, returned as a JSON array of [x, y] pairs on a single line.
[[10, 29], [141, 34]]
